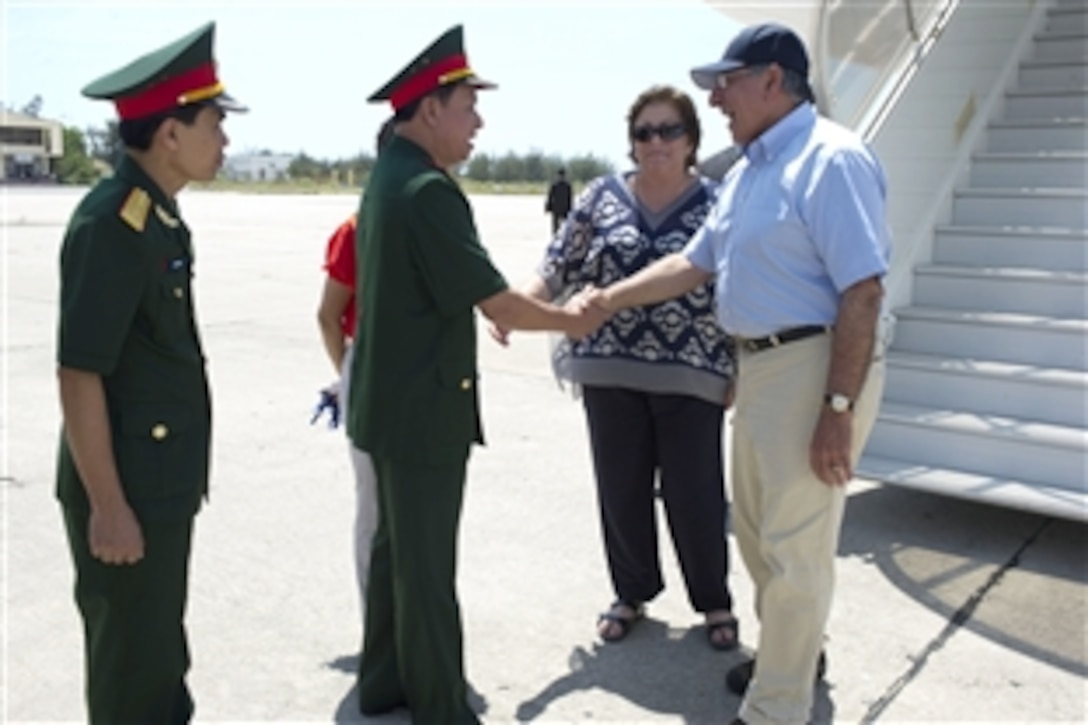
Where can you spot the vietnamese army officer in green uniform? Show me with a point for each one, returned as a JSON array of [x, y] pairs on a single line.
[[414, 405], [133, 462]]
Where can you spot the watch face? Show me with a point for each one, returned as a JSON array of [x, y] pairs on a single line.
[[840, 403]]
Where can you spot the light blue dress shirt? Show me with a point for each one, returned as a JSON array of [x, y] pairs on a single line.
[[800, 219]]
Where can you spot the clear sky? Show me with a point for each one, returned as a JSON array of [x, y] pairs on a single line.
[[567, 70]]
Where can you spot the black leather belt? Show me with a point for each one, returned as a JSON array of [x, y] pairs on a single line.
[[755, 344]]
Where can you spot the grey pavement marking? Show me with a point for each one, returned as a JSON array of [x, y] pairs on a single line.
[[958, 619]]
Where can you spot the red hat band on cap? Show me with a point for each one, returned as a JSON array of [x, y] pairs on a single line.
[[434, 75], [194, 85]]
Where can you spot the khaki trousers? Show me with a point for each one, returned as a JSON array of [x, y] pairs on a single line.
[[786, 521]]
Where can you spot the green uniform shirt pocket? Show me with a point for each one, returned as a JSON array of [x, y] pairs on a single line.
[[456, 418], [173, 320], [162, 451]]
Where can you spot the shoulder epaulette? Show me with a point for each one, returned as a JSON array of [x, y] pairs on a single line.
[[136, 208]]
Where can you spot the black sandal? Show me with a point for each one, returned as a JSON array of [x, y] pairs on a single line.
[[624, 624], [731, 626]]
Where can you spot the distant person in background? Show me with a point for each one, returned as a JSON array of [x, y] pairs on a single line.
[[133, 464], [336, 316], [559, 199], [656, 380]]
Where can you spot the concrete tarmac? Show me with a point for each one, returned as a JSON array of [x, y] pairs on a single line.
[[945, 610]]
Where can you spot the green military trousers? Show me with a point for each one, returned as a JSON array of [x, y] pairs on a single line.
[[412, 648], [134, 638]]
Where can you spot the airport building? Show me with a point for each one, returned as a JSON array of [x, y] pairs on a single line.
[[261, 166], [29, 146]]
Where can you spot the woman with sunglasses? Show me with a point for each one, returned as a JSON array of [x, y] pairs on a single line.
[[655, 380]]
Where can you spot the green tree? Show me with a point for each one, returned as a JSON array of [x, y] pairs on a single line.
[[307, 167], [509, 167], [105, 144], [75, 166], [356, 168], [584, 168], [479, 168], [535, 169], [552, 164]]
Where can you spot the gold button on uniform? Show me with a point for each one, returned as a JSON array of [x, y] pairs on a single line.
[[159, 431], [466, 383], [179, 292]]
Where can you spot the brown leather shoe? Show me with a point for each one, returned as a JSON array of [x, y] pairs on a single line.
[[738, 678]]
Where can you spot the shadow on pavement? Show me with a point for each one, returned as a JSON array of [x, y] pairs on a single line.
[[658, 671], [1013, 577], [347, 711]]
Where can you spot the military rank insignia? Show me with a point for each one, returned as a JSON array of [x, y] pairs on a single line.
[[136, 208]]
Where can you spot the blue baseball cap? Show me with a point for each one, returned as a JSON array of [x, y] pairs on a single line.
[[758, 45]]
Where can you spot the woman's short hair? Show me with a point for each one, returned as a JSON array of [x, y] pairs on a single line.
[[677, 99], [385, 134]]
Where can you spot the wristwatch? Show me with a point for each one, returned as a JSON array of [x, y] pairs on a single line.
[[838, 402]]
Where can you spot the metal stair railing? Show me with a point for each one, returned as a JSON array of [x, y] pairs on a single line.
[[865, 53]]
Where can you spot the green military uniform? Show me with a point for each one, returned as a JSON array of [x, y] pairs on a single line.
[[126, 315], [414, 408]]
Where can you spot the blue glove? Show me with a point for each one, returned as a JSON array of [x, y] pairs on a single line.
[[328, 401]]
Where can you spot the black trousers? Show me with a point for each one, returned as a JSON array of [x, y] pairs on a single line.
[[637, 437], [412, 641], [134, 635]]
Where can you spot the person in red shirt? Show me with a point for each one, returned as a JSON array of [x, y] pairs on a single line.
[[336, 316], [336, 320]]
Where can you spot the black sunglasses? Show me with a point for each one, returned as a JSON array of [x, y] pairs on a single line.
[[666, 131]]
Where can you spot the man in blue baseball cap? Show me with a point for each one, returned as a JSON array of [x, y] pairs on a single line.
[[797, 244], [755, 47]]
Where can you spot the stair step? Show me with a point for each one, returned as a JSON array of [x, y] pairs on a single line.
[[1034, 496], [987, 444], [1012, 247], [1046, 208], [1052, 46], [1025, 290], [1038, 134], [1064, 30], [990, 387], [1015, 170], [1000, 336], [987, 376], [1046, 102], [1054, 73], [1070, 19]]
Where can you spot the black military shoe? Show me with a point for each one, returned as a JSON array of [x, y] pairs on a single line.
[[737, 679]]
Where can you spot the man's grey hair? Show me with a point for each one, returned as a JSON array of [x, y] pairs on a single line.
[[794, 84]]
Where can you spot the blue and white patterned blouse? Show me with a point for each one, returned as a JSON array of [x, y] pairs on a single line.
[[672, 347]]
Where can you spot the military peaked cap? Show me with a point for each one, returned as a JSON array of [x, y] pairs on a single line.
[[175, 75], [443, 62]]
